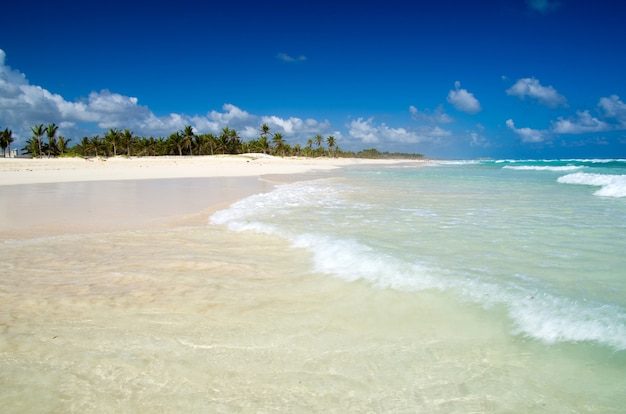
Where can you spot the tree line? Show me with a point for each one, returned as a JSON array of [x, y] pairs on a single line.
[[45, 142]]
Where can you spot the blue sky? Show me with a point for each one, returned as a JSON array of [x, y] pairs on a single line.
[[449, 79]]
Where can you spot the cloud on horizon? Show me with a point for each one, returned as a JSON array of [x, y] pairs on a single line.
[[23, 105], [369, 133], [611, 117]]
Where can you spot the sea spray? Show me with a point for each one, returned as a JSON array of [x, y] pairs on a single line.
[[612, 185]]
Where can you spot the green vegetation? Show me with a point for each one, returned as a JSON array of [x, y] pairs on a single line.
[[185, 142], [6, 138]]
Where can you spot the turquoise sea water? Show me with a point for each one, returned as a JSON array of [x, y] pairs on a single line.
[[538, 246], [542, 243], [448, 287]]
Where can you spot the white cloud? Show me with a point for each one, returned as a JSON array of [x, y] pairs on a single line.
[[614, 109], [231, 114], [295, 126], [463, 100], [531, 87], [527, 134], [367, 132], [287, 58], [364, 131], [23, 105], [437, 116], [584, 122], [477, 140], [8, 75]]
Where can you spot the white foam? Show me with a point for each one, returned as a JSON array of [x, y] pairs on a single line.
[[543, 168], [554, 319], [436, 163], [549, 317], [351, 261], [612, 185]]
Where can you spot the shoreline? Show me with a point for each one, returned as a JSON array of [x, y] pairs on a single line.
[[18, 171], [50, 197]]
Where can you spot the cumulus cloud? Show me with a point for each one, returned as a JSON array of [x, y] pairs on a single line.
[[231, 114], [611, 116], [367, 132], [477, 140], [23, 105], [290, 59], [613, 108], [295, 126], [463, 100], [531, 87], [582, 123], [527, 135], [437, 116]]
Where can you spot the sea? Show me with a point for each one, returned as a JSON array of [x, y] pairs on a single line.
[[481, 286]]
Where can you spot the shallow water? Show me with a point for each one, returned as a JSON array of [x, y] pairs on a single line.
[[329, 298]]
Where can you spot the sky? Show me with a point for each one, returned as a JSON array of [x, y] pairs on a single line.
[[522, 79]]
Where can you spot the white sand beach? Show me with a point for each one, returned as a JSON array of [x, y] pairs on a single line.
[[43, 197], [15, 171]]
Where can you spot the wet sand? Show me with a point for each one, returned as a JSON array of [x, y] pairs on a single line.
[[45, 197]]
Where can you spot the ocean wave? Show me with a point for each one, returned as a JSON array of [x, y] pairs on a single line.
[[543, 168], [535, 310], [557, 160], [554, 319], [547, 317], [612, 185], [437, 163]]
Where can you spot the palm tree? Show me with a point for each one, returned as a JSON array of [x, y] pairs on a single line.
[[279, 143], [331, 143], [38, 132], [3, 142], [200, 141], [97, 144], [84, 146], [127, 139], [265, 131], [176, 141], [222, 140], [112, 137], [318, 141], [210, 140], [32, 147], [187, 136], [234, 142], [62, 144], [229, 141], [264, 144], [51, 132], [6, 138]]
